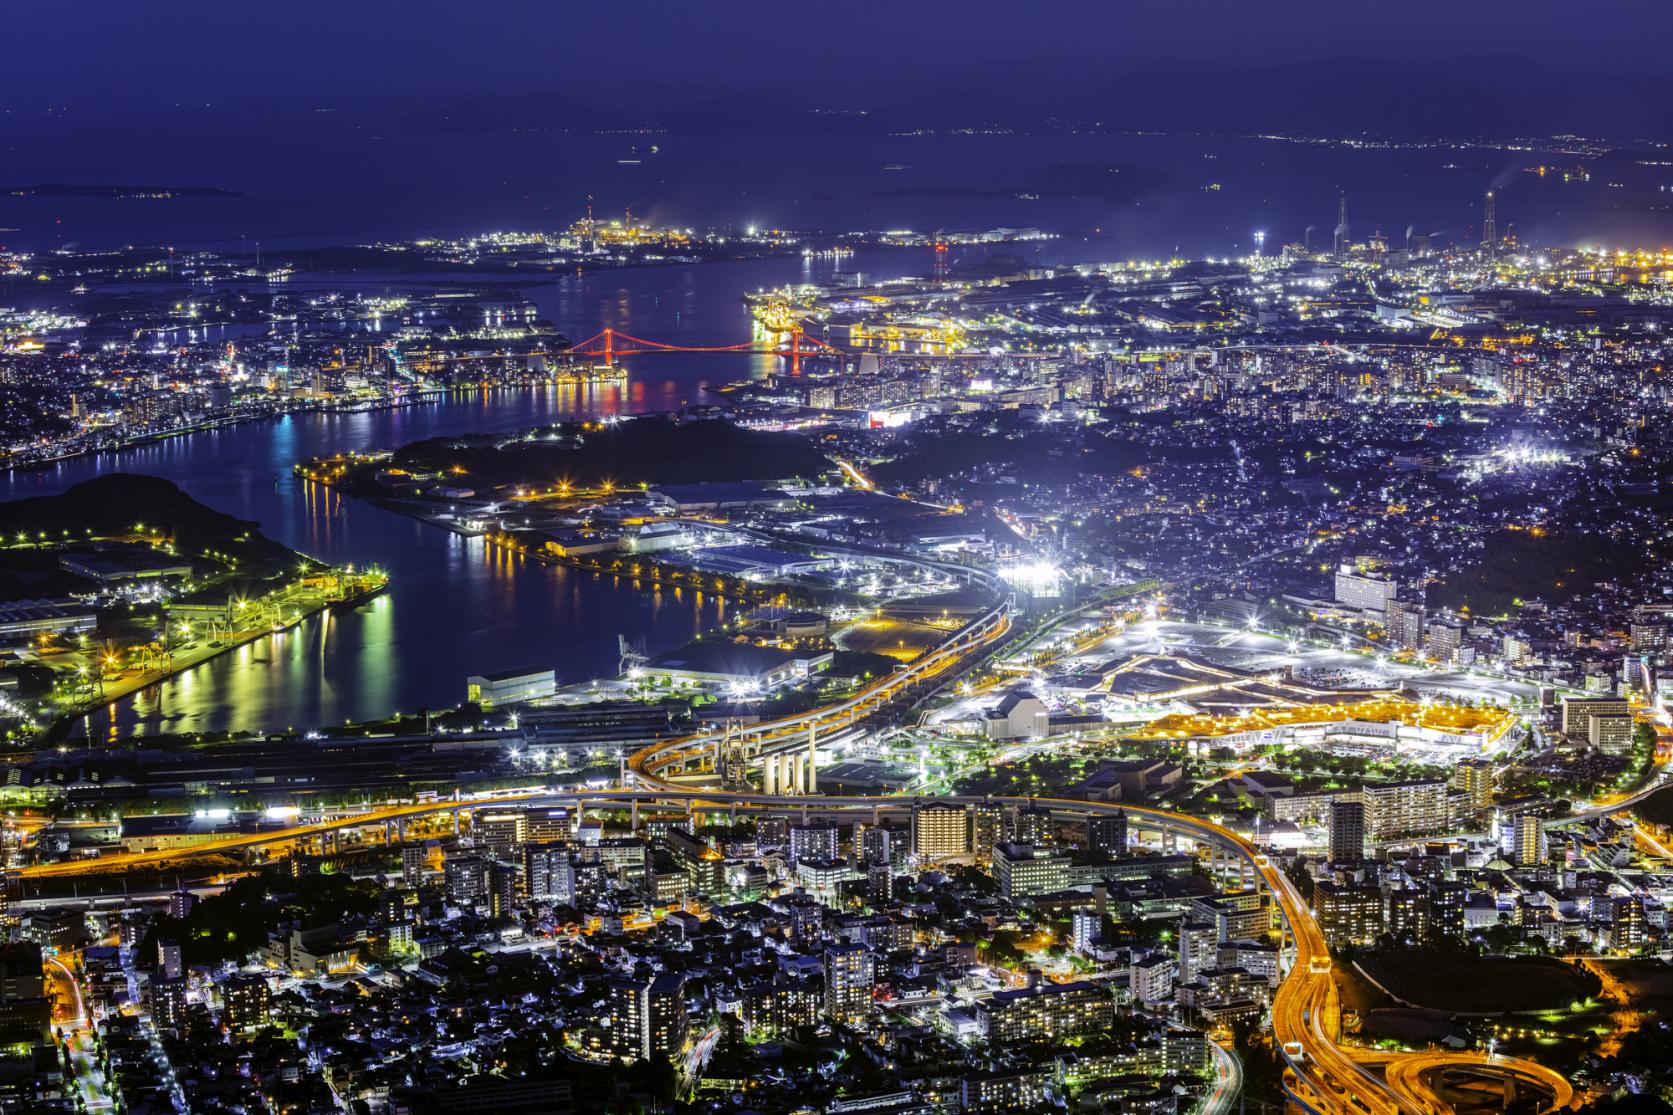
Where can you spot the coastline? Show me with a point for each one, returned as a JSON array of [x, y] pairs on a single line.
[[294, 606], [415, 398], [726, 588]]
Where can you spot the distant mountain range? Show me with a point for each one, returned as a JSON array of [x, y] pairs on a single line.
[[1492, 96]]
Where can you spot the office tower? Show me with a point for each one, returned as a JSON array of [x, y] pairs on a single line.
[[848, 984], [1022, 870], [1106, 834], [940, 830], [1347, 831], [1339, 243], [498, 832], [546, 825]]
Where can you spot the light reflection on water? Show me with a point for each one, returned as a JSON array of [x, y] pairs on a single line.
[[456, 606]]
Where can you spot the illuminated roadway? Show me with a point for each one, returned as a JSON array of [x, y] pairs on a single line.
[[662, 763], [1323, 1077], [1228, 1081], [1414, 1074]]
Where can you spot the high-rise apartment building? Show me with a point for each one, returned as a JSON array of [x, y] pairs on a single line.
[[1397, 809], [987, 828], [1403, 623], [1475, 779], [647, 1018], [1347, 831], [821, 842], [940, 830], [849, 981], [1348, 914], [1528, 837], [1576, 709]]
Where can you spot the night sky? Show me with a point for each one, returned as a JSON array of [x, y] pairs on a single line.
[[117, 53]]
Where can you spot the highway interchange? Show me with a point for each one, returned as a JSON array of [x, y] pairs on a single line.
[[1322, 1075]]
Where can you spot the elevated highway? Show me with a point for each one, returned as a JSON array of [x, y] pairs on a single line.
[[783, 749], [1420, 1075], [1322, 1076]]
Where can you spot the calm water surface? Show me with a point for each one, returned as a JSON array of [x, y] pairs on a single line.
[[456, 607]]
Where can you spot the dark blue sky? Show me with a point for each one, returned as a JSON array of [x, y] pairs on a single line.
[[120, 53]]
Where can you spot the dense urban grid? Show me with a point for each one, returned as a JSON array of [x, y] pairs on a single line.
[[1162, 686]]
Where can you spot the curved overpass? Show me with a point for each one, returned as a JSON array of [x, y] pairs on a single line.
[[1321, 1076], [1415, 1074], [661, 763]]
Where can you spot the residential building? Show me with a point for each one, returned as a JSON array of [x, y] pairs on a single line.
[[1050, 1012], [647, 1018], [1348, 914], [1412, 808], [1347, 831], [940, 830], [849, 981]]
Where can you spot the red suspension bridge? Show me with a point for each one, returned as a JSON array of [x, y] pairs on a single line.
[[608, 344]]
